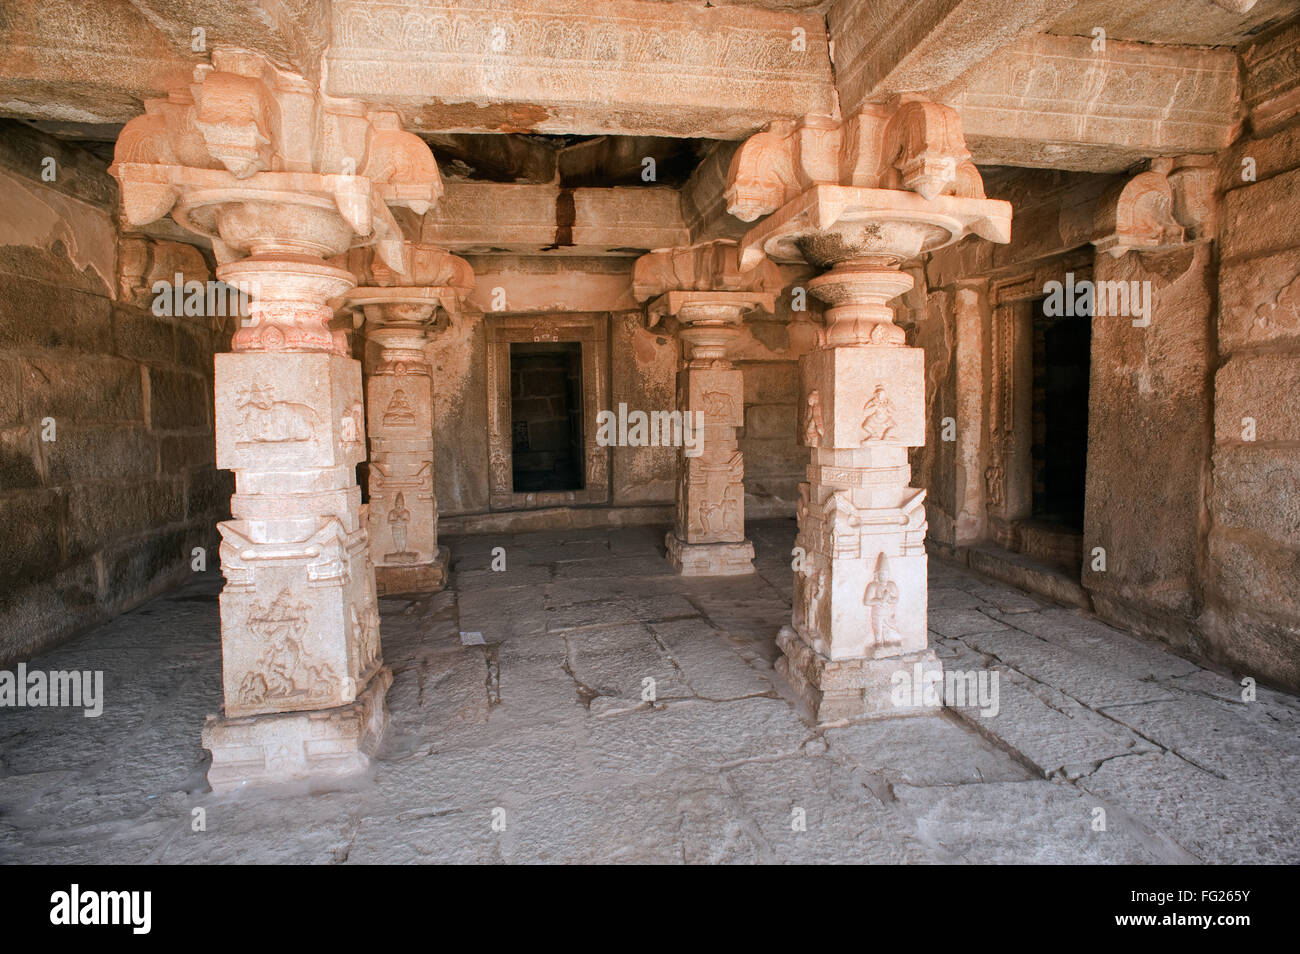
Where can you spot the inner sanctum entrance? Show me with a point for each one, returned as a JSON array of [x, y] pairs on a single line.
[[1059, 449], [546, 416]]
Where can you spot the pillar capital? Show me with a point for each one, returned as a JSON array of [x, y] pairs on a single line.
[[885, 185], [1138, 213], [391, 299], [701, 292], [261, 163]]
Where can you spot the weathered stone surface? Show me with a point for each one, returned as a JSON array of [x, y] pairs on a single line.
[[1264, 388], [1217, 23], [1258, 489], [1148, 391], [495, 217], [893, 46], [1054, 101], [643, 367], [1260, 301], [1275, 201], [567, 67], [1253, 574], [1269, 84], [34, 315], [91, 390]]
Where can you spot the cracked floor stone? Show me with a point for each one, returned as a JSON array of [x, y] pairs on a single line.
[[541, 744]]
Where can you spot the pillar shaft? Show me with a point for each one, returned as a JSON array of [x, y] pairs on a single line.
[[403, 506], [859, 608], [303, 677], [708, 536]]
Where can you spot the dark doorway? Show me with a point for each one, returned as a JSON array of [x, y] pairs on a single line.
[[546, 416], [1062, 348]]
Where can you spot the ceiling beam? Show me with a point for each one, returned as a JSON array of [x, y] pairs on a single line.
[[477, 218], [1055, 101], [627, 67]]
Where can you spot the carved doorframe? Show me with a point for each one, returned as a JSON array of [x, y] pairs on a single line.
[[591, 332]]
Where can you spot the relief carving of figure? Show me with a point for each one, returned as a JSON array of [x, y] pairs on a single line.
[[881, 599], [813, 428], [399, 412], [721, 517], [284, 671], [366, 625], [878, 421], [266, 420], [717, 404], [993, 477], [814, 596], [352, 427], [399, 518]]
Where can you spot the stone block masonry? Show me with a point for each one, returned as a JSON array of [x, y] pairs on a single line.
[[107, 478]]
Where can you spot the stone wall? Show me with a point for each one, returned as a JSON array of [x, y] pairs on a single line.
[[1194, 424], [107, 479], [1252, 572]]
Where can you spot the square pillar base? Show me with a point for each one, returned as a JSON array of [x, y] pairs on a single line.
[[297, 746], [857, 688], [413, 578], [710, 559]]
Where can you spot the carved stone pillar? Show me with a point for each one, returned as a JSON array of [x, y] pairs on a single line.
[[702, 293], [401, 314], [858, 631], [303, 677]]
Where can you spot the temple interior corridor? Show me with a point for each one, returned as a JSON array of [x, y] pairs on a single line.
[[545, 720], [650, 430]]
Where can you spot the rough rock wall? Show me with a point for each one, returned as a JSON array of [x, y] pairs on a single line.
[[1149, 443], [107, 478]]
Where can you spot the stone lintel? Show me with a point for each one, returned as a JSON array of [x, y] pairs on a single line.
[[1054, 101], [571, 66], [495, 218]]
